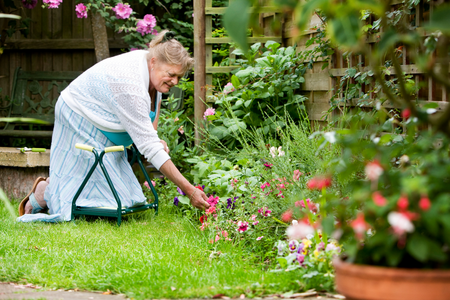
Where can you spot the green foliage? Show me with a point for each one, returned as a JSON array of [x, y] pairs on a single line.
[[267, 84]]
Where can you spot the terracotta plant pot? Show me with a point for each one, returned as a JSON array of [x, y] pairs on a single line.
[[364, 282]]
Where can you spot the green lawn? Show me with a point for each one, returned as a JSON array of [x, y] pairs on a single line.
[[148, 256]]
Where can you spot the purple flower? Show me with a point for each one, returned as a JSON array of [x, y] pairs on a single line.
[[81, 10], [230, 203], [123, 11], [293, 245], [29, 4], [150, 19], [180, 192], [300, 248], [175, 201], [320, 246]]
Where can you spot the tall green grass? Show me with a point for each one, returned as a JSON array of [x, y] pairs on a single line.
[[148, 256]]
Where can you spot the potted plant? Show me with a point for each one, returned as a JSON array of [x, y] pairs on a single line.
[[389, 201], [389, 205]]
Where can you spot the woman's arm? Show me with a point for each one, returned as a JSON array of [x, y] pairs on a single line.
[[197, 197]]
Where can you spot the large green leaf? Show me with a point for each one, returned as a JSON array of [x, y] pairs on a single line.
[[417, 246], [236, 20], [440, 20]]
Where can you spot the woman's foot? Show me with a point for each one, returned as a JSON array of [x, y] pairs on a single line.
[[39, 196]]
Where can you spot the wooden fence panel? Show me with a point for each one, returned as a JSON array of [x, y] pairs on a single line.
[[57, 41]]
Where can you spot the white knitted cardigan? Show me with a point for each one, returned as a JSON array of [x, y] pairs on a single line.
[[113, 96]]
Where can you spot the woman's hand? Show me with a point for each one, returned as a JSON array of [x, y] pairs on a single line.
[[166, 148], [198, 199]]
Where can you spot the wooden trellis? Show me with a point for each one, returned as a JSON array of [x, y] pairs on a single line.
[[204, 43]]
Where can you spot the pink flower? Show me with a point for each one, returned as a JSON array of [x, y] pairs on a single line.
[[52, 3], [176, 119], [180, 130], [229, 88], [359, 226], [297, 175], [299, 230], [318, 183], [123, 11], [424, 203], [253, 217], [287, 216], [146, 25], [373, 170], [264, 211], [29, 4], [81, 10], [224, 234], [242, 226], [217, 238], [150, 19], [148, 186], [268, 166], [211, 210], [259, 238], [264, 185], [233, 182], [400, 223], [378, 199], [213, 200], [255, 223], [312, 207], [209, 112]]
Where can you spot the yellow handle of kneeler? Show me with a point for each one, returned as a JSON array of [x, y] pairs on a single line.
[[84, 147], [114, 149]]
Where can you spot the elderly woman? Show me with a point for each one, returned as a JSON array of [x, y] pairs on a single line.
[[115, 102]]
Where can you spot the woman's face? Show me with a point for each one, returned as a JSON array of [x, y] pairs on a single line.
[[164, 76]]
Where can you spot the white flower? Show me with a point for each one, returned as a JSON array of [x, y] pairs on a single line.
[[330, 136], [373, 170], [299, 231], [400, 223], [280, 153], [273, 151]]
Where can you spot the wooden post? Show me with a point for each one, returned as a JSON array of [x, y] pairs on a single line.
[[199, 67], [100, 37]]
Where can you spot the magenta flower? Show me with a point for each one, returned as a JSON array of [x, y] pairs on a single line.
[[146, 25], [213, 200], [29, 4], [209, 112], [123, 11], [150, 19], [259, 238], [81, 10], [264, 211], [52, 3], [242, 226]]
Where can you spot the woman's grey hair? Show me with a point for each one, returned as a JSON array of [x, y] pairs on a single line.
[[169, 51]]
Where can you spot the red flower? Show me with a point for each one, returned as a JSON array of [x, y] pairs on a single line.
[[378, 199], [402, 203], [406, 113], [203, 219], [287, 216], [318, 183], [199, 187], [424, 203]]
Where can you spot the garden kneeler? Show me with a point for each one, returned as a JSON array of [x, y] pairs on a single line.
[[119, 211]]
